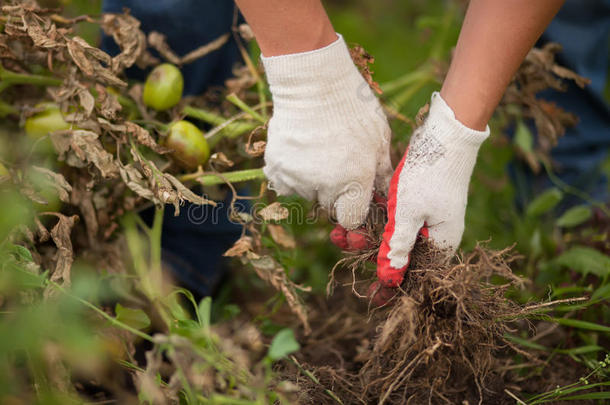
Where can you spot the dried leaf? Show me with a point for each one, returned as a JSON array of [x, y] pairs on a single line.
[[272, 272], [221, 159], [143, 137], [86, 101], [281, 237], [82, 197], [125, 30], [77, 52], [57, 181], [86, 148], [246, 32], [159, 42], [186, 194], [363, 59], [205, 49], [240, 248], [274, 212], [64, 256], [109, 106]]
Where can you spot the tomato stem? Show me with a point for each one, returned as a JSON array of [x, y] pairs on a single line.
[[8, 78], [246, 108], [237, 176]]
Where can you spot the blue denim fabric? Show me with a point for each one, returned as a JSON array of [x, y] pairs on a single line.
[[188, 24], [194, 241], [582, 27]]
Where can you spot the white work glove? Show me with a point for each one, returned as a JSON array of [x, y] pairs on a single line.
[[328, 139], [430, 185]]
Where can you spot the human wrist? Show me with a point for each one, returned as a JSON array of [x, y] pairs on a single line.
[[310, 41], [469, 107], [446, 126]]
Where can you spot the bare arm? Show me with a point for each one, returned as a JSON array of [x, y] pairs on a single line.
[[495, 37], [288, 26]]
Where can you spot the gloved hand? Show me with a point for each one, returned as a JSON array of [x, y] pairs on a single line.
[[328, 139], [430, 185]]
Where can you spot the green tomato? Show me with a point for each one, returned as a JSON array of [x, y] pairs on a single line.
[[48, 120], [163, 87], [189, 146], [3, 170]]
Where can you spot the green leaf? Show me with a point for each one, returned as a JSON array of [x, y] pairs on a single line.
[[523, 138], [283, 344], [602, 293], [582, 350], [205, 312], [544, 202], [575, 323], [526, 343], [21, 252], [585, 260], [590, 395], [177, 311], [574, 216], [136, 318]]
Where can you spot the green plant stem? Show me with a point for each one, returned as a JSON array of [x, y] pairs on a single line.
[[11, 78], [406, 95], [6, 109], [221, 178], [246, 108], [155, 248], [230, 129], [421, 73], [568, 189], [112, 320]]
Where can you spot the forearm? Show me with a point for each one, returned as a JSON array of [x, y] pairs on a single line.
[[495, 37], [288, 26]]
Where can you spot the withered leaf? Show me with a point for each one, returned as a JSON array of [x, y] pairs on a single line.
[[221, 159], [86, 101], [362, 59], [57, 181], [274, 212], [159, 42], [87, 148], [246, 32], [40, 38], [256, 148], [78, 56], [82, 197], [273, 273], [64, 255], [240, 248], [281, 237], [125, 30], [136, 182], [143, 137], [205, 49], [109, 106], [566, 73], [185, 193]]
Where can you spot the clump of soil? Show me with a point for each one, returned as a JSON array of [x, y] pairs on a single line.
[[440, 340]]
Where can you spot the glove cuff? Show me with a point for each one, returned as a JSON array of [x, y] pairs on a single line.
[[442, 123], [319, 67]]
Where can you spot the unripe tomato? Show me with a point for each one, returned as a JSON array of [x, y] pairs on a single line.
[[190, 148], [48, 120], [163, 87]]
